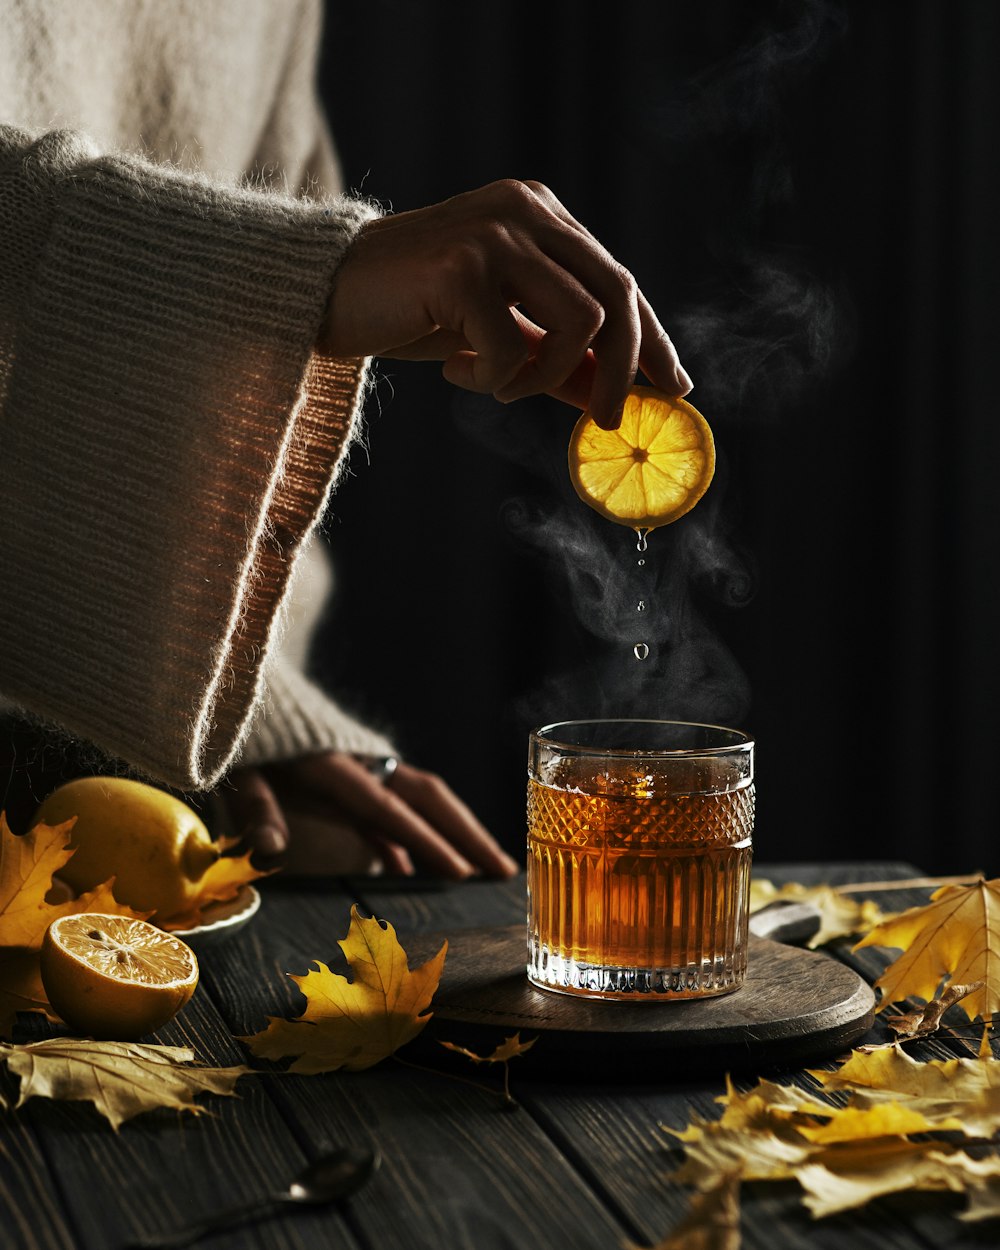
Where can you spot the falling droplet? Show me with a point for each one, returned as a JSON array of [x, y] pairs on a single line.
[[641, 536], [640, 651], [641, 563], [641, 606]]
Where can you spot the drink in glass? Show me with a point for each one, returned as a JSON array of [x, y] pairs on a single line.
[[639, 846]]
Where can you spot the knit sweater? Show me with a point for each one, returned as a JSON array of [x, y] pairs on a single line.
[[168, 437]]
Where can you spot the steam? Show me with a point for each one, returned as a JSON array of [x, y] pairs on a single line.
[[759, 344], [757, 336], [689, 673]]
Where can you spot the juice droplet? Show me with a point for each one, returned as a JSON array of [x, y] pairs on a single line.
[[640, 651], [641, 536], [640, 563], [641, 606]]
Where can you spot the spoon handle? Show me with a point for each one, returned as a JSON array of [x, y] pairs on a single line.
[[226, 1218]]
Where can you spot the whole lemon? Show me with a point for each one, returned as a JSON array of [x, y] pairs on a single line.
[[113, 977], [155, 846]]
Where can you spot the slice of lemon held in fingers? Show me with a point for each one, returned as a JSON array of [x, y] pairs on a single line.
[[652, 469]]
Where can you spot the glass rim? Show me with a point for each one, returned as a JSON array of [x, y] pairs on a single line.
[[741, 741]]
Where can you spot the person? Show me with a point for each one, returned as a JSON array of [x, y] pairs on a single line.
[[189, 307]]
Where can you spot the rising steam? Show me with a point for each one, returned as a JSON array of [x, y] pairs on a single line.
[[763, 329]]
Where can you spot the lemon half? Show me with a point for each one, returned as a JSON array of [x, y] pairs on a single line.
[[113, 977]]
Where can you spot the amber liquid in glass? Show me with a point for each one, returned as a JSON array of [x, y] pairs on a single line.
[[638, 884]]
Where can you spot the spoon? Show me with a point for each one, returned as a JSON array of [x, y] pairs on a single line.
[[331, 1177]]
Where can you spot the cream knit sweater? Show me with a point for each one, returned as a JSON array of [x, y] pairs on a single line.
[[168, 438]]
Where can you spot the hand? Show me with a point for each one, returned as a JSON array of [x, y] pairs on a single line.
[[473, 281], [416, 817]]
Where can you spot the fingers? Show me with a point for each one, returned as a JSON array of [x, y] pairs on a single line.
[[462, 280], [255, 812], [396, 861], [658, 356], [655, 351], [378, 808], [497, 348], [434, 799]]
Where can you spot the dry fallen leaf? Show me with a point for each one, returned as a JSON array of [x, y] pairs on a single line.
[[508, 1049], [844, 1155], [955, 937], [928, 1019], [882, 1119], [121, 1079], [982, 1186], [712, 1221], [850, 1175], [26, 867], [840, 914], [355, 1024], [755, 1139], [938, 1089], [221, 882], [27, 908]]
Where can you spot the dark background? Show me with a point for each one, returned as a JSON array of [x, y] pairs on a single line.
[[808, 193]]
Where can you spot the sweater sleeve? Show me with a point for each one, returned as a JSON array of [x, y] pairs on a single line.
[[168, 439]]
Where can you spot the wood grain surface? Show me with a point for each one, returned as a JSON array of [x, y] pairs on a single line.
[[575, 1164]]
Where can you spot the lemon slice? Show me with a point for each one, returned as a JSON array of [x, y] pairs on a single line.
[[652, 469], [114, 977]]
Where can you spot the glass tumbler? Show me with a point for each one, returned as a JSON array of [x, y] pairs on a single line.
[[639, 847]]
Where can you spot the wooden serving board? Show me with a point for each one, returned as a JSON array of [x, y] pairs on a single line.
[[796, 1006]]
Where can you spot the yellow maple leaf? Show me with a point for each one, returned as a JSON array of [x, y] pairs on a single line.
[[840, 914], [26, 867], [885, 1119], [967, 1090], [770, 1130], [954, 937], [713, 1149], [221, 882], [355, 1024], [768, 1105], [27, 908], [844, 1156], [121, 1079]]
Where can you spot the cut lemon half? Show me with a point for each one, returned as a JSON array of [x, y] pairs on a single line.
[[652, 469], [113, 977]]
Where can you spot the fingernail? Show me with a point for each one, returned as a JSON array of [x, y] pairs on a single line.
[[684, 380], [511, 865], [613, 421], [270, 840]]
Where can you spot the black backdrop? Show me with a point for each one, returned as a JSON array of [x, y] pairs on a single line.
[[808, 193]]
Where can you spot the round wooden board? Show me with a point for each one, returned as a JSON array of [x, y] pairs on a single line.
[[795, 1007]]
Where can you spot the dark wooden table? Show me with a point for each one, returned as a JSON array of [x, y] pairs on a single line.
[[583, 1166]]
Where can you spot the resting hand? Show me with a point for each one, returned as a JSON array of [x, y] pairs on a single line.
[[472, 281], [417, 817]]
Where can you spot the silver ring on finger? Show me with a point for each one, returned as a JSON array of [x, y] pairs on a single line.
[[381, 767]]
